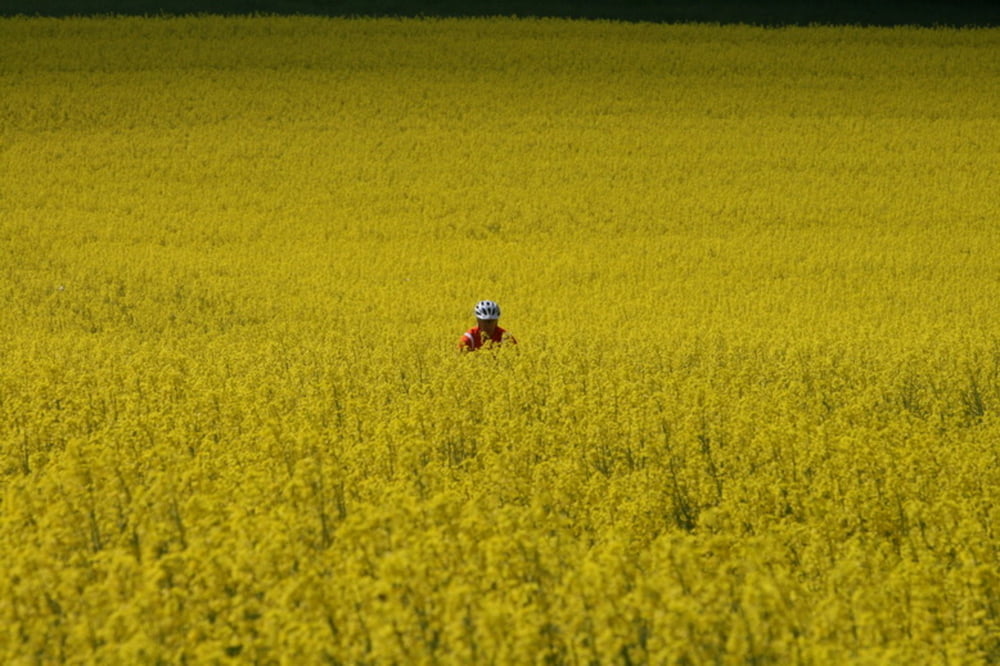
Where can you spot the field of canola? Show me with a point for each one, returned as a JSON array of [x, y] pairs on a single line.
[[753, 416]]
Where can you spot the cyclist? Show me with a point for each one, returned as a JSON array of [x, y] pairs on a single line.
[[486, 332]]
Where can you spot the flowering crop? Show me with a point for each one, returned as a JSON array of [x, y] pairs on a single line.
[[753, 414]]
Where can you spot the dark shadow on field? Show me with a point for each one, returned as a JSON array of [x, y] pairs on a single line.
[[958, 13]]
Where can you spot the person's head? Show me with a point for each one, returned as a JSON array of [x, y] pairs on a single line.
[[487, 313]]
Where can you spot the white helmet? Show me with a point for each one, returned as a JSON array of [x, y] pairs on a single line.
[[487, 310]]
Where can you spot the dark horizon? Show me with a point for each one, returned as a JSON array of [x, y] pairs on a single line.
[[929, 13]]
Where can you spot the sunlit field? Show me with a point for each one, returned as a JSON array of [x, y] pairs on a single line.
[[753, 415]]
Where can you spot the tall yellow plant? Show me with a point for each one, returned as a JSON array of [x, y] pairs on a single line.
[[753, 411]]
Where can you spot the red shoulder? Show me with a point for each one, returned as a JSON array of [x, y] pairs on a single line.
[[469, 338]]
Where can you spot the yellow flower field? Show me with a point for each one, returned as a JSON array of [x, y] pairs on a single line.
[[753, 416]]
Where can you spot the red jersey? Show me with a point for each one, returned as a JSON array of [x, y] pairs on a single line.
[[474, 338]]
